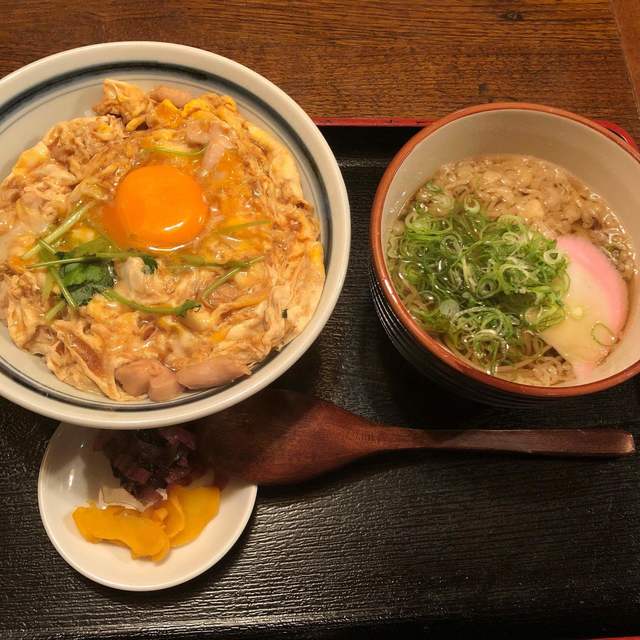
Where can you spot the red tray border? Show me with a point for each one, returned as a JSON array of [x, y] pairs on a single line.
[[423, 122]]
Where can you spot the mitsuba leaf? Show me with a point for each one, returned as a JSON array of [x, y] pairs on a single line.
[[99, 245], [85, 279], [150, 264]]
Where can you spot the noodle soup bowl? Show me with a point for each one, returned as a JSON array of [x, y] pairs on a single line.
[[595, 155]]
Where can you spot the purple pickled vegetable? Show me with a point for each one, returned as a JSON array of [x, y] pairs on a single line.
[[138, 475], [145, 461], [179, 434]]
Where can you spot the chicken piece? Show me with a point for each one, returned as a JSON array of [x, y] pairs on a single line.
[[197, 132], [179, 97], [148, 376], [164, 386], [5, 281], [134, 377], [211, 373], [162, 287], [216, 136], [123, 99], [218, 143], [132, 276]]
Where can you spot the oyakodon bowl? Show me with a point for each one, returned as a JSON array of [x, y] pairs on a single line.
[[65, 86], [592, 153]]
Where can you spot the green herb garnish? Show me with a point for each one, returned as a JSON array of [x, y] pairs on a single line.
[[227, 276], [180, 310], [150, 264], [486, 287], [66, 294], [193, 262], [52, 314], [53, 274], [74, 217], [84, 280]]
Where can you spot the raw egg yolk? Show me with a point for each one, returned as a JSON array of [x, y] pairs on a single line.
[[156, 207]]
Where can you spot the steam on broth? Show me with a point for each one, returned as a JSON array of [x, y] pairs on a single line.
[[516, 265]]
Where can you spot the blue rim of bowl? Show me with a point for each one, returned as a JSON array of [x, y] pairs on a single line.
[[60, 80]]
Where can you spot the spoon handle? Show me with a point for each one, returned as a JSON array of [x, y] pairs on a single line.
[[548, 442]]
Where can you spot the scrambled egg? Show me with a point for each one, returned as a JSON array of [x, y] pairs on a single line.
[[185, 184]]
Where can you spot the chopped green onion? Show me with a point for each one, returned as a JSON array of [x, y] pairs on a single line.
[[227, 276], [180, 310], [486, 287], [59, 231], [553, 256], [471, 205]]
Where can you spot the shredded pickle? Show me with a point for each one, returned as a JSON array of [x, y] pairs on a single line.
[[486, 287]]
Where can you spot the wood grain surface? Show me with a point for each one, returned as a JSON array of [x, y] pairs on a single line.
[[380, 57], [428, 545], [627, 13]]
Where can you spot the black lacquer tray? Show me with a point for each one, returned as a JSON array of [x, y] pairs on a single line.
[[430, 545]]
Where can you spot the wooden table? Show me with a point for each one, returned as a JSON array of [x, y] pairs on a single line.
[[375, 58], [451, 545]]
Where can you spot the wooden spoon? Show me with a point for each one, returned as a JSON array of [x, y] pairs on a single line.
[[281, 437]]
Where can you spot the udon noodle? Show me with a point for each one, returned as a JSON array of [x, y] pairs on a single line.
[[549, 200], [547, 196]]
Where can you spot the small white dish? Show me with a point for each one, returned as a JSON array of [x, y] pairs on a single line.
[[71, 474]]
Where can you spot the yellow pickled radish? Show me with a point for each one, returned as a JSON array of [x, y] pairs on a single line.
[[199, 506], [144, 536], [175, 521]]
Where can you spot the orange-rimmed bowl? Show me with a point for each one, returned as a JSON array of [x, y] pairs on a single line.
[[592, 153]]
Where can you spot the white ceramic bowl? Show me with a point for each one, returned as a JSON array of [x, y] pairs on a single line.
[[64, 86], [71, 474], [591, 152]]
